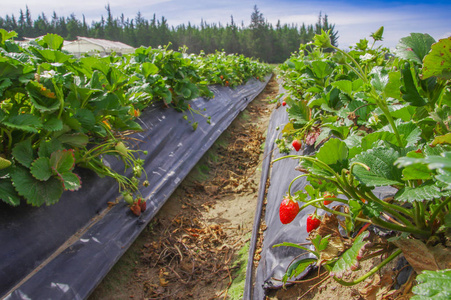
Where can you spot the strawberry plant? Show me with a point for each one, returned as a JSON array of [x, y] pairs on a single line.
[[377, 120], [59, 112]]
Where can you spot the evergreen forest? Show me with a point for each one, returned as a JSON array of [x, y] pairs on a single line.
[[260, 39]]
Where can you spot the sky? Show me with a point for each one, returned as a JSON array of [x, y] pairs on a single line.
[[353, 19]]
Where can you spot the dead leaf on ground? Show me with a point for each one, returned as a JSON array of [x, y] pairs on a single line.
[[422, 257]]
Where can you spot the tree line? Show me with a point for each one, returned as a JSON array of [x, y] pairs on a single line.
[[260, 39]]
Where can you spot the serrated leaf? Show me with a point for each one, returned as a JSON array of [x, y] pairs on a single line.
[[417, 172], [424, 192], [53, 124], [52, 41], [410, 133], [380, 79], [41, 169], [335, 154], [70, 181], [414, 47], [433, 285], [7, 192], [321, 69], [36, 192], [438, 61], [344, 86], [442, 139], [374, 138], [349, 257], [382, 171], [149, 69], [40, 101], [4, 84], [23, 153], [372, 209], [62, 161], [25, 122], [75, 140], [46, 148]]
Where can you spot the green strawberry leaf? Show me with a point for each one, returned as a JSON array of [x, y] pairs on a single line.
[[321, 243], [335, 154], [349, 258], [75, 140], [374, 138], [71, 181], [7, 192], [414, 47], [380, 79], [52, 41], [23, 153], [46, 148], [372, 209], [53, 124], [287, 244], [41, 169], [409, 89], [344, 86], [425, 192], [62, 161], [148, 69], [442, 139], [438, 61], [321, 69], [410, 132], [433, 285], [36, 192], [25, 122], [297, 268], [41, 102], [382, 171]]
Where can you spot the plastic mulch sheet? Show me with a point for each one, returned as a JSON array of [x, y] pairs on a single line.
[[274, 261], [64, 251]]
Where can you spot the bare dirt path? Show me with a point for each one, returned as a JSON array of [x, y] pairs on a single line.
[[190, 249]]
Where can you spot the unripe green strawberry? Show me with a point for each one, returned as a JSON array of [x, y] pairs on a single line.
[[121, 148], [4, 163], [288, 210], [128, 197]]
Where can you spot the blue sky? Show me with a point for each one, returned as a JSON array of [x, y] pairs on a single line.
[[352, 19]]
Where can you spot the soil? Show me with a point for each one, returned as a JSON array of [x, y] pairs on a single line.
[[190, 248]]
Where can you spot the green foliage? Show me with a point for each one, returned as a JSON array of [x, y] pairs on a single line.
[[386, 126], [58, 111], [433, 285]]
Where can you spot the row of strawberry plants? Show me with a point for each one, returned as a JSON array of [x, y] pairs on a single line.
[[58, 111], [377, 119]]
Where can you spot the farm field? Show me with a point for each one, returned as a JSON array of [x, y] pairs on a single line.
[[165, 174]]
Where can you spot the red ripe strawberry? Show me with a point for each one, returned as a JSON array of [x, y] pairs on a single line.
[[136, 209], [284, 103], [296, 145], [288, 210], [142, 204], [313, 222]]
